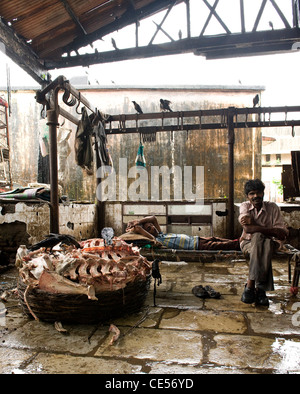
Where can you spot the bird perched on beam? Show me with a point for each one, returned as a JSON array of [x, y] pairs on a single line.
[[137, 108], [53, 240], [165, 105], [114, 44], [256, 100]]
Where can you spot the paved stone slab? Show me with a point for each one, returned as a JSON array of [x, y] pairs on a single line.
[[149, 317], [179, 301], [256, 352], [234, 303], [158, 345], [66, 364], [232, 322], [12, 359], [285, 324], [43, 336], [167, 369]]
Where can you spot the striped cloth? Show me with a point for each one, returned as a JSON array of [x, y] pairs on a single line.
[[178, 241]]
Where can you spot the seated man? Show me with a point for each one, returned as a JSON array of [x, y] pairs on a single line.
[[150, 228], [263, 231]]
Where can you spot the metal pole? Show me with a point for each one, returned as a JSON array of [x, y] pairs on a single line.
[[230, 142], [52, 117]]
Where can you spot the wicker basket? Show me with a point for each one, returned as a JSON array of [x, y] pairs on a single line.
[[79, 309]]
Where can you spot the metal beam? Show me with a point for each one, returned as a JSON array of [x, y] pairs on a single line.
[[223, 123], [207, 126], [213, 11], [20, 53], [261, 10], [161, 23], [296, 13], [73, 16], [227, 45], [281, 14], [129, 17], [242, 10]]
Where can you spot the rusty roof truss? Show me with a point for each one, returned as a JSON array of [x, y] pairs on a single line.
[[48, 34]]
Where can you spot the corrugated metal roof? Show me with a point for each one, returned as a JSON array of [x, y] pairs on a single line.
[[48, 24]]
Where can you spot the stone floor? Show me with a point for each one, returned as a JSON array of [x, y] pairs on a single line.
[[182, 334]]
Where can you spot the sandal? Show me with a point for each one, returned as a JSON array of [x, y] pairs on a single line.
[[200, 292], [211, 292]]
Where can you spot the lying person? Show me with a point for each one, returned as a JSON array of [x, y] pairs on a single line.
[[150, 228]]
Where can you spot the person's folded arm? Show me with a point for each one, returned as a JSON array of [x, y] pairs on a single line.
[[278, 232], [139, 230]]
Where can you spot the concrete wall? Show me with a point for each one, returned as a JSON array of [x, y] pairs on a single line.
[[197, 148], [28, 223]]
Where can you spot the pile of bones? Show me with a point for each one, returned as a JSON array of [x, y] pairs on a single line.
[[91, 269]]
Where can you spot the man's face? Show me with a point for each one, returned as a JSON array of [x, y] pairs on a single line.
[[151, 229], [256, 198]]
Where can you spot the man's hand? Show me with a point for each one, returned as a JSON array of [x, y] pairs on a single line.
[[246, 220], [132, 224], [157, 243], [277, 232]]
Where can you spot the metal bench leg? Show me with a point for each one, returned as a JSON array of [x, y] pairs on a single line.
[[295, 284]]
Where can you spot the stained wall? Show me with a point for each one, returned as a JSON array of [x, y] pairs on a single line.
[[207, 148]]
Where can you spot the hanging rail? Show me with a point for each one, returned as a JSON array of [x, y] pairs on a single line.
[[48, 97], [261, 121]]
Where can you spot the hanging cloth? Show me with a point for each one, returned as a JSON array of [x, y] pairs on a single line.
[[83, 143], [140, 158], [101, 139]]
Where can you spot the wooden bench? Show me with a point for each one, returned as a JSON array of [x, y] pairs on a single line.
[[214, 255]]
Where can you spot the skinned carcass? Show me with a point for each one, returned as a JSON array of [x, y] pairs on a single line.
[[94, 271]]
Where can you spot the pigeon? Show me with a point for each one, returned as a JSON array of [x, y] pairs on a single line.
[[165, 105], [256, 100], [114, 44], [137, 107], [53, 240], [107, 234]]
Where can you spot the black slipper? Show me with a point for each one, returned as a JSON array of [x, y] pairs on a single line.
[[211, 292], [200, 292]]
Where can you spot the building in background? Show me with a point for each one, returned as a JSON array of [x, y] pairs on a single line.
[[277, 144]]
